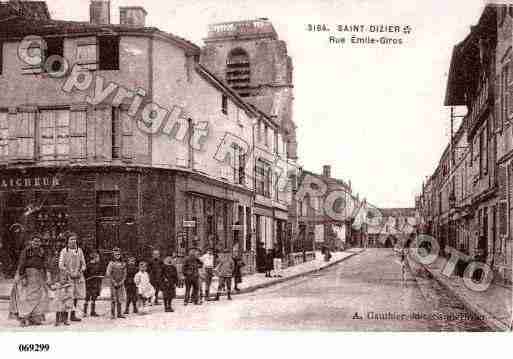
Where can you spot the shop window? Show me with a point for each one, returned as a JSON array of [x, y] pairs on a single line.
[[4, 136], [54, 140], [15, 200], [107, 204], [53, 198]]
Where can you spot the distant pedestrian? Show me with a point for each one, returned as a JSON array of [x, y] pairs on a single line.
[[155, 272], [93, 279], [169, 282], [224, 271], [72, 264], [277, 264], [178, 262], [269, 262], [403, 265], [131, 288], [145, 290], [237, 271], [191, 273], [208, 265], [116, 272]]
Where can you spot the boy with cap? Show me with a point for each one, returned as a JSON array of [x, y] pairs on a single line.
[[116, 272], [131, 288], [93, 280]]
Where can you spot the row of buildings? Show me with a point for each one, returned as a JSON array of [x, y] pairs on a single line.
[[149, 141], [467, 202]]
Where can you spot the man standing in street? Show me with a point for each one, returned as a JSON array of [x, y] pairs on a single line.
[[224, 271], [155, 272], [208, 264], [191, 273]]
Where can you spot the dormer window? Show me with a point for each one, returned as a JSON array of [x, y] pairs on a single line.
[[101, 53]]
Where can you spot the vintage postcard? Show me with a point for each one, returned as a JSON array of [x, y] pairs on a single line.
[[236, 165]]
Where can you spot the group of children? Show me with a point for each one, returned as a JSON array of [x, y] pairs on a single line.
[[129, 283], [138, 284]]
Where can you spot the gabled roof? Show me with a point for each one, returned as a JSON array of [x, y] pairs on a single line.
[[465, 58], [18, 27]]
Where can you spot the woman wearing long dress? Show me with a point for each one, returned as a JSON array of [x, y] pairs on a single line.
[[29, 296]]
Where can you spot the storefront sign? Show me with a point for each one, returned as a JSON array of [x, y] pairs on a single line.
[[189, 224], [29, 182]]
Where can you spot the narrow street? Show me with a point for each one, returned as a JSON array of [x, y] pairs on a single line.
[[368, 284]]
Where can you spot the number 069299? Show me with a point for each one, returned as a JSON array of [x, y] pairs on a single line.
[[34, 347]]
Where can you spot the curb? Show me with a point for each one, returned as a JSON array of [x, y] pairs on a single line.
[[281, 280], [490, 320], [257, 286]]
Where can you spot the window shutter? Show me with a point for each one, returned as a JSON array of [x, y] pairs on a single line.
[[25, 134], [127, 133], [47, 135], [103, 133], [78, 133], [109, 52]]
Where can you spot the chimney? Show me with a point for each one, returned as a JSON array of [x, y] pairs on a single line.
[[326, 171], [99, 12], [132, 16]]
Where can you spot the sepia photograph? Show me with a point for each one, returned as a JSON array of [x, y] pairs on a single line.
[[254, 167]]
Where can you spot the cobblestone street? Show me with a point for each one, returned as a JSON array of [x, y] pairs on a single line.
[[368, 284]]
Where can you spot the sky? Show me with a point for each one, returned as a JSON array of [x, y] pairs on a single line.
[[375, 112]]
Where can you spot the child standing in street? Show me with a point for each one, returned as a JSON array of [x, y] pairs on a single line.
[[131, 288], [93, 278], [145, 290], [63, 301], [116, 272], [169, 281], [403, 266]]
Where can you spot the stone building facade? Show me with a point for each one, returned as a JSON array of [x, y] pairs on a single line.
[[251, 59], [136, 145], [466, 202]]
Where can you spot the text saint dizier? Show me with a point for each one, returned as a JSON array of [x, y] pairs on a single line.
[[351, 28]]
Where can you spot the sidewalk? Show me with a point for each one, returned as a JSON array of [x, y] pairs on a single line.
[[494, 304], [250, 282]]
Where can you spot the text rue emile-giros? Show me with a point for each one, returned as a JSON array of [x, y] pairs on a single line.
[[361, 34]]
